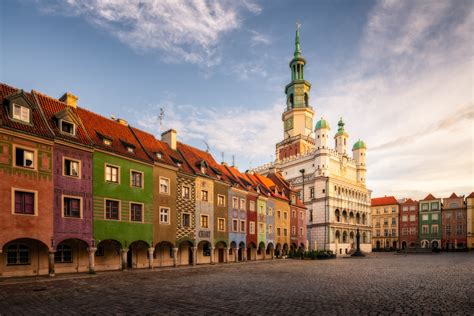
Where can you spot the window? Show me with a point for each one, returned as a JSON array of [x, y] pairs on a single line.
[[285, 215], [136, 212], [293, 214], [242, 204], [63, 254], [404, 218], [293, 230], [186, 192], [235, 225], [434, 206], [385, 232], [72, 207], [164, 185], [301, 215], [285, 232], [425, 217], [235, 203], [165, 215], [412, 218], [278, 231], [385, 210], [21, 113], [378, 233], [413, 231], [252, 227], [186, 220], [385, 221], [204, 195], [107, 142], [311, 192], [448, 229], [136, 179], [459, 229], [405, 231], [459, 215], [412, 207], [394, 209], [24, 158], [221, 224], [394, 233], [434, 229], [270, 229], [394, 221], [24, 202], [424, 229], [68, 127], [405, 209], [434, 217], [424, 206], [279, 214], [221, 200], [111, 174], [204, 221], [293, 199], [112, 209], [130, 149], [242, 226], [252, 206], [270, 211], [301, 231], [261, 228], [447, 215], [71, 168], [18, 254]]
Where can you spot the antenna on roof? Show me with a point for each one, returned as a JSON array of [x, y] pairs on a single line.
[[161, 118], [207, 146], [233, 161], [222, 154]]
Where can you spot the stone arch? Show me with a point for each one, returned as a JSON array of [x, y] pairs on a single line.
[[351, 217], [344, 237], [185, 252], [337, 213], [357, 218], [164, 254], [204, 249], [137, 255], [27, 256], [251, 251], [241, 250], [337, 236], [108, 255], [278, 250], [285, 249], [364, 219], [344, 216], [71, 255]]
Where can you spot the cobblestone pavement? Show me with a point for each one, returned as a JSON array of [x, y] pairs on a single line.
[[379, 284]]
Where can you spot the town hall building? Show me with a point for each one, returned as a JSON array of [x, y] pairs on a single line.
[[332, 182]]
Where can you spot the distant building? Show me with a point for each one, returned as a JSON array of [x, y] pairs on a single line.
[[385, 213], [454, 221], [429, 229], [408, 220], [470, 220]]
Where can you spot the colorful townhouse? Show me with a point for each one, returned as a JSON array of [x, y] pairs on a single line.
[[282, 218], [453, 223], [385, 216], [123, 194], [165, 168], [266, 188], [261, 207], [26, 186], [252, 217], [408, 220], [430, 222], [470, 220], [72, 179]]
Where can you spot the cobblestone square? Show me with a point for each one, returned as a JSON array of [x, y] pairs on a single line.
[[381, 283]]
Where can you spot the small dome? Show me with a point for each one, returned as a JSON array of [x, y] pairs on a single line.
[[359, 144], [322, 123]]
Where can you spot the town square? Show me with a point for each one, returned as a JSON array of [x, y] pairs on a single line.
[[205, 157]]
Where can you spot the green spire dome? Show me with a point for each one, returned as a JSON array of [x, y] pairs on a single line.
[[322, 123], [359, 144], [297, 42], [340, 129]]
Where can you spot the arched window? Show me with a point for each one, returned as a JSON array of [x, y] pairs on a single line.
[[18, 254], [63, 254], [338, 216], [357, 218], [363, 219], [344, 216], [344, 237], [338, 236]]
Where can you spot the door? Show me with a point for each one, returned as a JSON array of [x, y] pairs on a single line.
[[240, 254], [190, 255], [249, 254], [130, 258], [221, 255]]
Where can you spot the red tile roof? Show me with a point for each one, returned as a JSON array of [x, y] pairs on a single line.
[[38, 126], [194, 157], [386, 200], [429, 197], [98, 126], [50, 108], [410, 201], [453, 196]]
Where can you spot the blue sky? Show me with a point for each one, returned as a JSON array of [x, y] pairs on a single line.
[[399, 72]]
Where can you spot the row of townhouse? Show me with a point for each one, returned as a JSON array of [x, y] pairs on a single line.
[[446, 223], [81, 192]]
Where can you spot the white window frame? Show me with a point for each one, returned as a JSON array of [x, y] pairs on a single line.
[[189, 191], [67, 122], [119, 210], [118, 173], [131, 179], [233, 225], [223, 199], [190, 220], [168, 186], [245, 226], [219, 219], [167, 214], [252, 227], [20, 117], [242, 204], [81, 207], [35, 157], [235, 203], [201, 221], [252, 206], [130, 212], [207, 195], [79, 167], [35, 192]]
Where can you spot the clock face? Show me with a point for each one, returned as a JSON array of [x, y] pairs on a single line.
[[288, 124]]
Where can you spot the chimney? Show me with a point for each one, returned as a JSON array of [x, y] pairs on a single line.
[[169, 137], [70, 99]]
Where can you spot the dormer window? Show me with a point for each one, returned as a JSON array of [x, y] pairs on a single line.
[[21, 113], [159, 155], [130, 150], [107, 142], [203, 169], [68, 127]]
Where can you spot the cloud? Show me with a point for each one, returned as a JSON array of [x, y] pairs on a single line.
[[259, 38], [182, 30], [408, 94]]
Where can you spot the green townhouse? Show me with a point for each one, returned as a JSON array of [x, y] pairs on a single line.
[[430, 222], [123, 195]]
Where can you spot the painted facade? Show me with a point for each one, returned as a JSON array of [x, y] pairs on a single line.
[[470, 220], [408, 220], [454, 223], [429, 219], [385, 221]]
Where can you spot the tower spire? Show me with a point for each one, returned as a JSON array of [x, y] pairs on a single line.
[[297, 41]]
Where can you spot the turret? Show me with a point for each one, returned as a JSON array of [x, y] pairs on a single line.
[[341, 138], [321, 134], [358, 153]]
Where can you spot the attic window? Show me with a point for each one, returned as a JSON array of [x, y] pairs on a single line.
[[159, 155], [107, 142], [68, 127], [130, 149], [203, 169], [21, 113]]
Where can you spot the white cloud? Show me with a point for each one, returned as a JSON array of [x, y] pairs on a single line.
[[260, 38], [409, 96], [182, 30]]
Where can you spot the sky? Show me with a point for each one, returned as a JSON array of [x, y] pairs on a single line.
[[400, 73]]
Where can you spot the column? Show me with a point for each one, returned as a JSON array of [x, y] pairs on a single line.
[[51, 263], [244, 254], [264, 254], [226, 255], [272, 254], [175, 257], [254, 251], [124, 259], [212, 255], [236, 254], [151, 250], [91, 251], [194, 249]]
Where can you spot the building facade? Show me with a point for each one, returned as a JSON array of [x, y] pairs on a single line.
[[408, 220], [331, 181], [470, 220], [429, 219], [385, 220], [454, 223]]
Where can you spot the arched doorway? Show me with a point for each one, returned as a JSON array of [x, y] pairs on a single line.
[[108, 255], [241, 251], [204, 252], [185, 253], [377, 245], [434, 244], [250, 251], [278, 250], [269, 251], [25, 257], [233, 252], [285, 250], [261, 251], [219, 251], [394, 245], [404, 244], [137, 255], [71, 256], [163, 254]]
